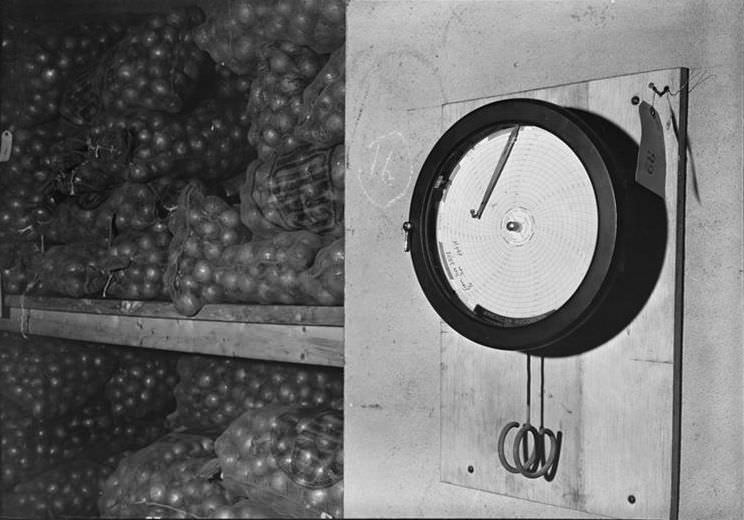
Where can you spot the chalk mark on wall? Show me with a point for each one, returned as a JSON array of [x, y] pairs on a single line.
[[390, 171]]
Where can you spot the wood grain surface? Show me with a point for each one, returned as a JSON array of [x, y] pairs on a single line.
[[311, 344], [613, 404]]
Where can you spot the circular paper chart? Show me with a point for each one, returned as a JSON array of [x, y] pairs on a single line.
[[528, 251]]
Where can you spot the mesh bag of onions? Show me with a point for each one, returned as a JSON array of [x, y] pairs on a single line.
[[44, 59], [230, 36], [103, 215], [321, 121], [179, 477], [105, 159], [84, 218], [300, 190], [326, 277], [209, 143], [76, 270], [263, 271], [295, 453], [235, 29], [211, 260], [202, 226], [170, 478], [81, 101], [275, 101], [39, 156], [213, 391], [318, 24], [111, 141], [139, 260], [156, 66], [270, 271], [16, 264]]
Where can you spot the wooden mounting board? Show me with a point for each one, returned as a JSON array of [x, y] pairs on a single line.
[[614, 404]]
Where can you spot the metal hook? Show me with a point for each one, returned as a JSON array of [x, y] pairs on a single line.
[[658, 92]]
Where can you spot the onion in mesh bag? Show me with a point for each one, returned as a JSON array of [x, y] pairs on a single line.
[[300, 190]]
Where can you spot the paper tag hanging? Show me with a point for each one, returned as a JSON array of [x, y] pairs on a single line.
[[6, 145], [651, 165]]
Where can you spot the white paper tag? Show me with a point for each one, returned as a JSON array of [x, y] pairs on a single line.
[[6, 145]]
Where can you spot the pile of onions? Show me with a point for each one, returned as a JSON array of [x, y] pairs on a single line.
[[268, 271], [203, 228], [156, 66], [168, 479], [11, 415], [210, 260], [208, 143], [144, 255], [235, 30], [275, 103], [214, 391], [129, 207], [262, 449], [20, 214], [43, 61], [91, 430], [232, 86], [16, 265], [106, 158], [71, 489], [322, 117], [51, 377], [28, 178], [325, 279], [75, 270], [142, 385], [303, 189]]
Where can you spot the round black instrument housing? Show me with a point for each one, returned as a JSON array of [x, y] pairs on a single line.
[[631, 240]]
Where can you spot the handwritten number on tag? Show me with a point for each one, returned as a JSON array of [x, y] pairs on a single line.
[[651, 165], [650, 162]]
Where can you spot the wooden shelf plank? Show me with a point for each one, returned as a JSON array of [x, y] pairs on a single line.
[[310, 344], [275, 314]]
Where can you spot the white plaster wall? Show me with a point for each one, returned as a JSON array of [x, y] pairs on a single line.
[[392, 345]]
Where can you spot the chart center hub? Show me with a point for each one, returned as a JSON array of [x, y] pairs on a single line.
[[517, 226]]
